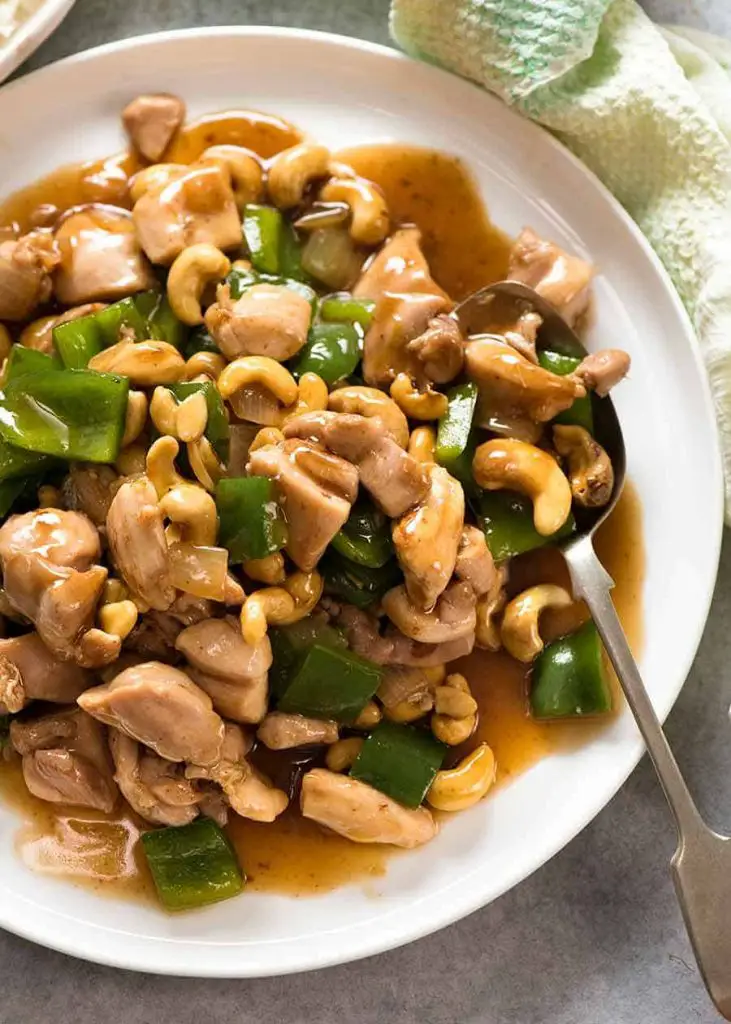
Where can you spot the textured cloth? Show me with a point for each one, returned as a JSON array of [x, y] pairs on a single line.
[[647, 109]]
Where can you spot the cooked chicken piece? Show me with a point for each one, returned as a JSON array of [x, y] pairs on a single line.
[[280, 731], [600, 371], [39, 333], [66, 539], [188, 609], [151, 121], [512, 386], [155, 634], [523, 333], [407, 299], [420, 655], [268, 320], [439, 350], [361, 813], [100, 256], [25, 282], [427, 537], [232, 672], [137, 543], [249, 793], [66, 760], [561, 279], [89, 488], [160, 706], [156, 789], [316, 490], [475, 564], [195, 206], [452, 617], [394, 478]]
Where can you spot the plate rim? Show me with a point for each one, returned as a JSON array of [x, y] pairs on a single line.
[[23, 43], [136, 959]]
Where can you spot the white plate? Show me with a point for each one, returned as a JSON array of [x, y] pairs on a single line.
[[34, 31], [348, 92]]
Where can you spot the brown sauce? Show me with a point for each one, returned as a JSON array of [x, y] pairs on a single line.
[[465, 251]]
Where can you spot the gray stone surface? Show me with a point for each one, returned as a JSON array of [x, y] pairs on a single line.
[[595, 937]]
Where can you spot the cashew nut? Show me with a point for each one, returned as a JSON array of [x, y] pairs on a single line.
[[191, 507], [207, 364], [152, 178], [410, 710], [135, 417], [131, 460], [422, 444], [454, 703], [196, 266], [204, 462], [118, 618], [280, 606], [164, 411], [369, 223], [487, 631], [518, 466], [244, 167], [146, 363], [466, 784], [265, 436], [519, 630], [448, 727], [312, 396], [341, 755], [365, 401], [266, 570], [160, 465], [591, 474], [192, 417], [114, 591], [417, 405], [370, 715], [291, 171], [260, 372]]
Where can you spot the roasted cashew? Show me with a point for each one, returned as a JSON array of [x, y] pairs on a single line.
[[422, 444], [265, 436], [417, 405], [454, 703], [118, 618], [192, 418], [160, 465], [364, 401], [262, 372], [247, 174], [207, 364], [448, 727], [280, 606], [135, 417], [341, 756], [369, 223], [517, 466], [312, 396], [152, 178], [591, 474], [489, 606], [291, 171], [146, 363], [519, 629], [410, 710], [131, 460], [191, 507], [370, 715], [196, 267], [204, 462], [266, 570], [164, 411], [466, 784]]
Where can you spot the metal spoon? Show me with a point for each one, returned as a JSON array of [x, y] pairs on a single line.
[[701, 865]]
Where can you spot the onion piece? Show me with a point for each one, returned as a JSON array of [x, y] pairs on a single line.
[[200, 571], [240, 436], [323, 215], [256, 404], [332, 257]]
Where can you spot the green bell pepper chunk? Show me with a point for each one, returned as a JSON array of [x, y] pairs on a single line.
[[507, 521], [217, 422], [332, 351], [400, 761], [199, 340], [17, 463], [290, 644], [341, 307], [240, 280], [78, 341], [456, 439], [331, 683], [569, 679], [162, 323], [366, 537], [28, 360], [357, 584], [192, 865], [580, 413], [130, 313], [251, 523], [290, 254], [73, 414], [10, 491], [263, 233]]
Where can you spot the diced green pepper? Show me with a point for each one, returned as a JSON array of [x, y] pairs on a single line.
[[73, 414], [199, 340], [78, 341], [366, 537], [456, 440], [357, 584], [263, 233], [341, 307], [251, 523], [192, 865], [580, 414], [290, 254], [129, 313], [290, 644], [331, 683], [332, 351], [10, 491], [569, 679], [16, 462], [217, 422], [400, 761], [163, 325], [507, 521], [29, 360]]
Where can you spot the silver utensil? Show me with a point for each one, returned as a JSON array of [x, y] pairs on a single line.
[[701, 865]]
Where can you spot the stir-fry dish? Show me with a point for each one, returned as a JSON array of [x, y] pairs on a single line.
[[261, 490]]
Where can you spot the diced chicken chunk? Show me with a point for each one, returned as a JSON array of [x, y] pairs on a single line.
[[268, 320], [151, 121], [159, 706], [361, 813], [25, 267], [195, 206], [316, 490], [601, 371], [452, 617], [66, 760], [137, 543], [407, 299], [100, 256], [561, 279], [439, 350], [280, 731], [475, 564], [66, 539], [156, 789]]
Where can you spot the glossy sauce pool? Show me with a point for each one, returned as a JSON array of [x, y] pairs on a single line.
[[465, 251]]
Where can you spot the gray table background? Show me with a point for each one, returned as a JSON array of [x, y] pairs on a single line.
[[594, 937]]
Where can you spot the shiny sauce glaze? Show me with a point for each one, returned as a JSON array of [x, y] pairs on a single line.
[[465, 251]]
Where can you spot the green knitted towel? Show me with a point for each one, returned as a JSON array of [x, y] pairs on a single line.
[[647, 109]]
